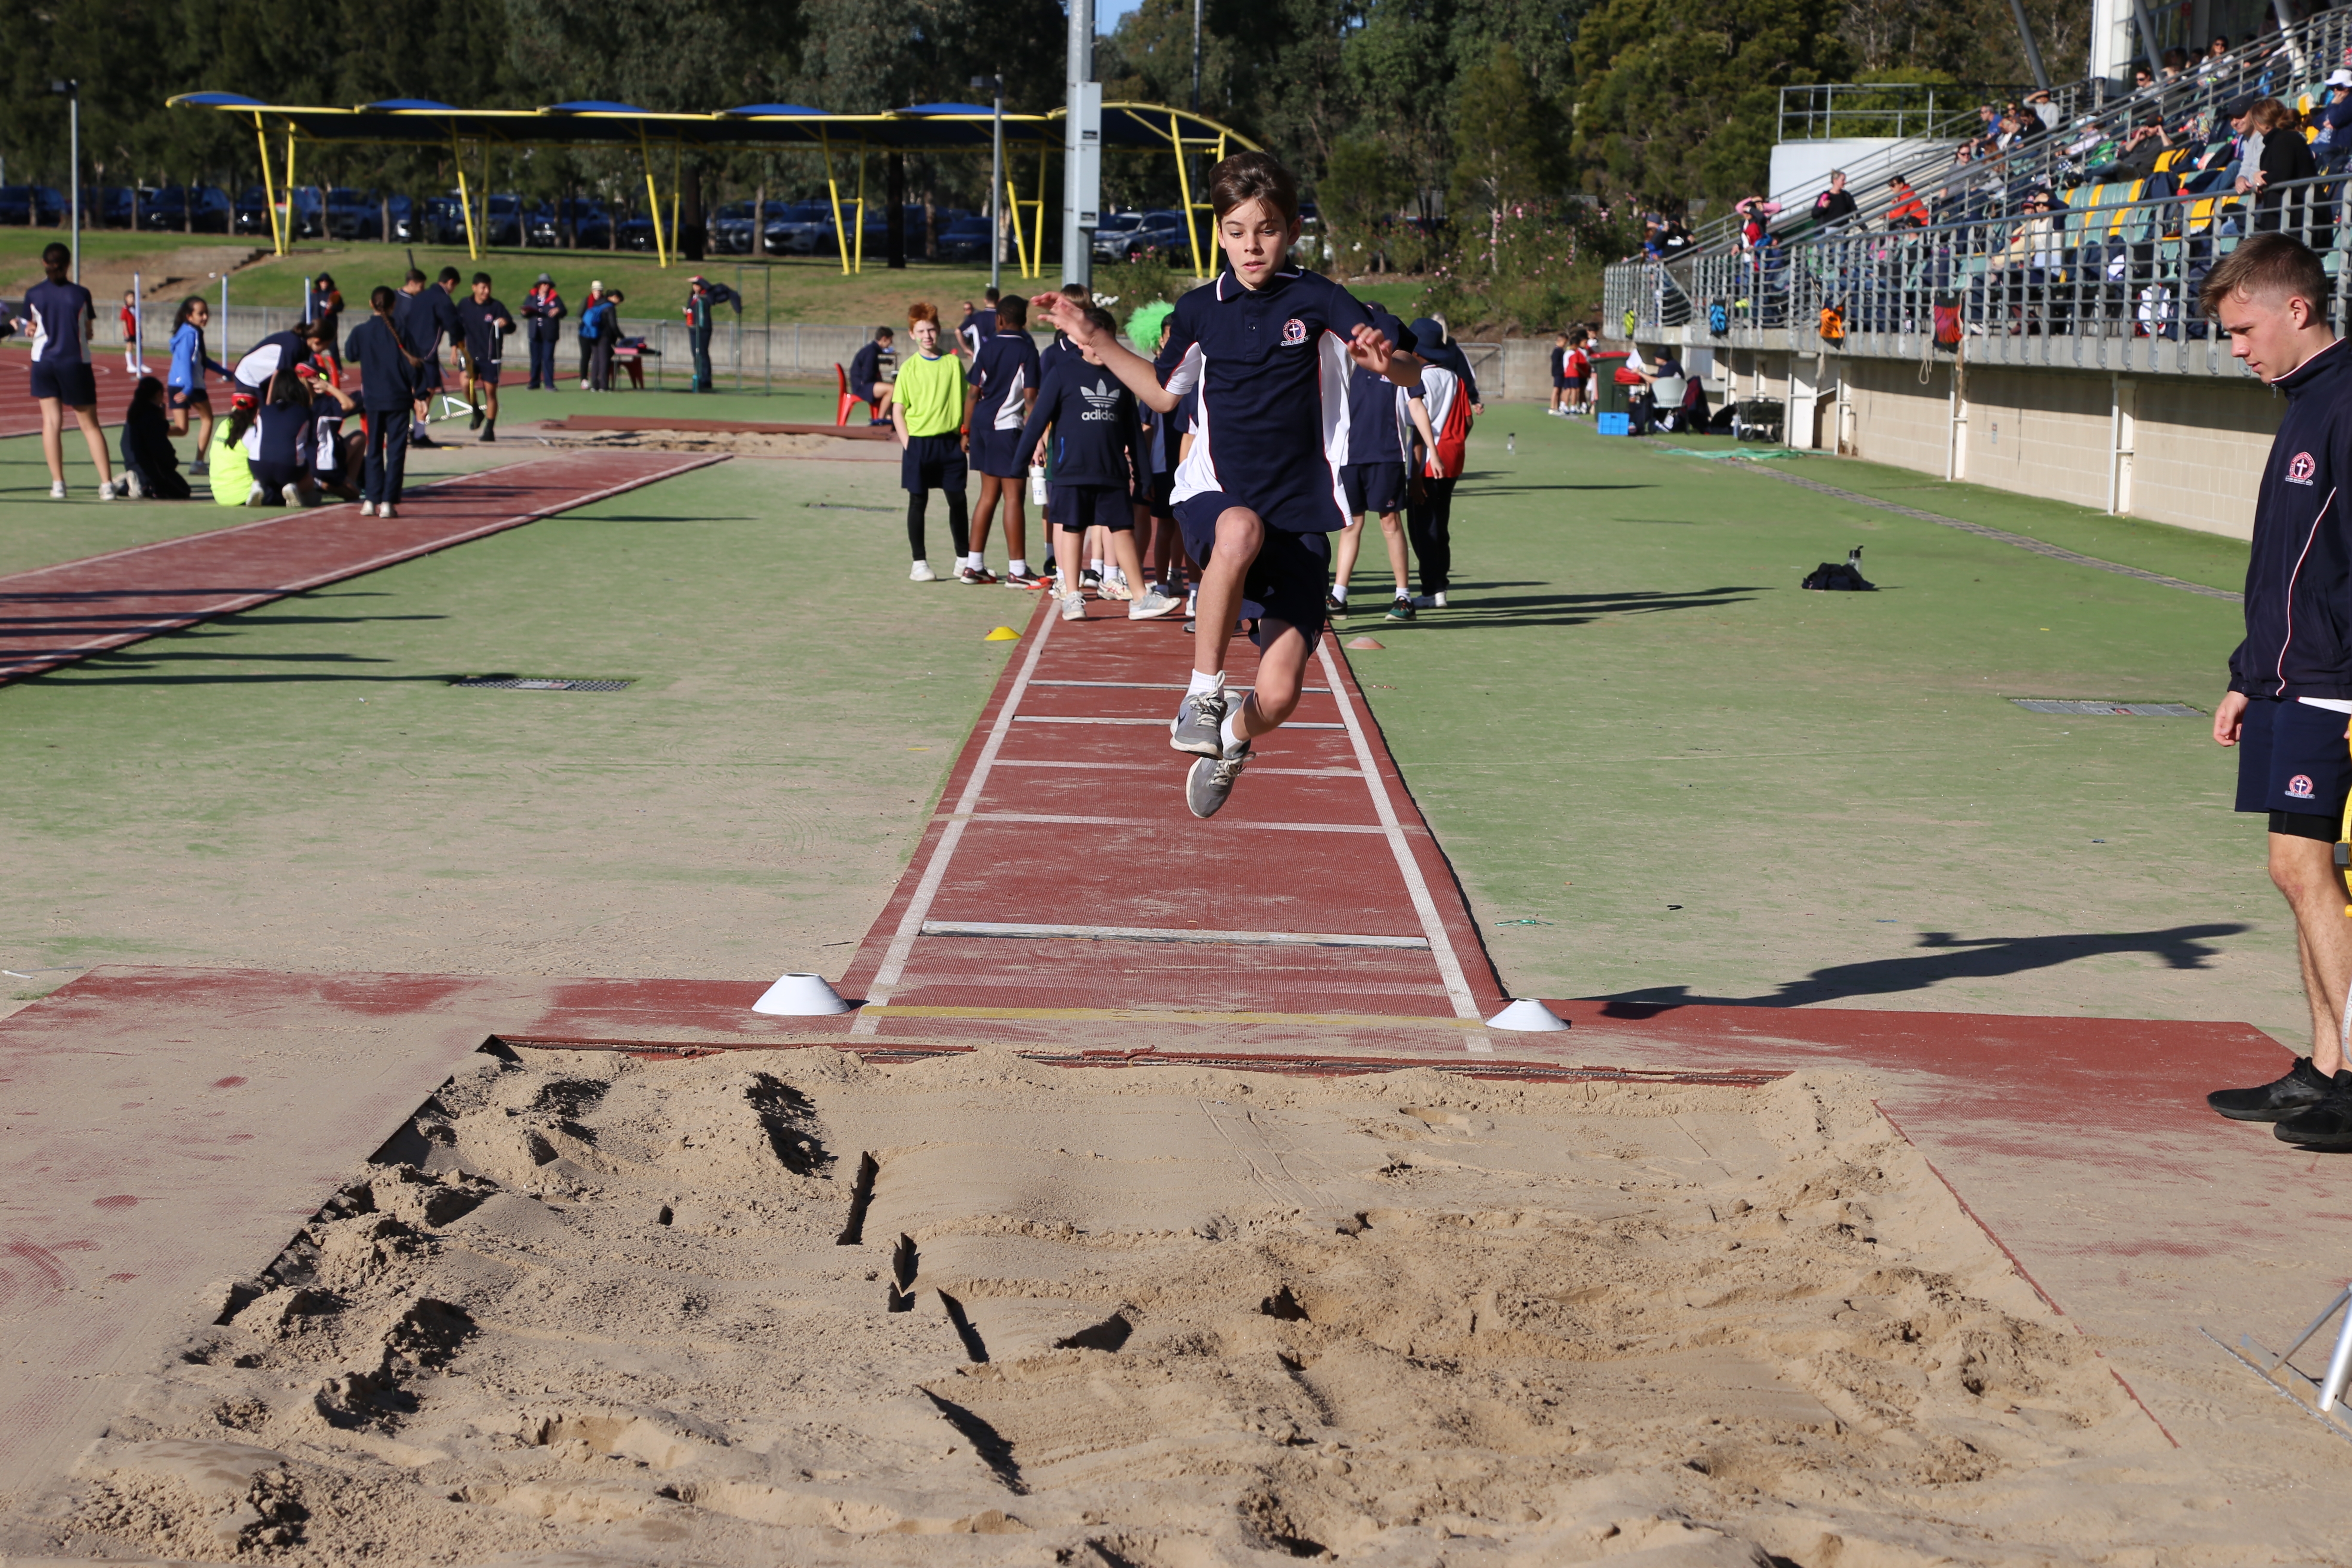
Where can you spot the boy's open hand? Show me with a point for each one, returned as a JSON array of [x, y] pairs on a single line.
[[1070, 317], [1370, 347]]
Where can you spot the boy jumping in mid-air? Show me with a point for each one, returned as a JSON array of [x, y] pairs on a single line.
[[1267, 345], [927, 411]]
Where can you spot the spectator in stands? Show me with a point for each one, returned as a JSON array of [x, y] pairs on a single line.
[[2136, 157], [2214, 52], [2143, 80], [1834, 205], [1904, 207], [2332, 146], [1756, 216], [2029, 262], [2285, 157], [2043, 108]]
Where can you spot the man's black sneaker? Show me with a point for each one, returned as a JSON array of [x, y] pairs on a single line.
[[2326, 1125], [1401, 609], [1090, 578], [422, 440], [2304, 1087], [1333, 605]]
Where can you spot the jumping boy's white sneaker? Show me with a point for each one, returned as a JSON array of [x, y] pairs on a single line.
[[922, 573], [1210, 781]]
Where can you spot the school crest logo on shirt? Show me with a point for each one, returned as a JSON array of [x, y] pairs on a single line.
[[2300, 469], [1294, 333], [2299, 786]]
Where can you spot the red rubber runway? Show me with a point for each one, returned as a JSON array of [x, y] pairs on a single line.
[[1316, 906], [20, 416], [54, 615]]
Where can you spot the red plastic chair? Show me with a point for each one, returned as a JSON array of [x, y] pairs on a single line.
[[841, 385]]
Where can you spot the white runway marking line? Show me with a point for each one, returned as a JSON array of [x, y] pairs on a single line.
[[1161, 686], [1440, 946], [1056, 719], [1255, 771], [1063, 821], [1161, 933], [911, 925]]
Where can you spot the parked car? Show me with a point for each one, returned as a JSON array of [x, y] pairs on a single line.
[[203, 209], [589, 226], [110, 207], [803, 229], [966, 239], [1158, 233], [353, 214], [634, 233], [32, 204], [730, 229], [1111, 233], [251, 212]]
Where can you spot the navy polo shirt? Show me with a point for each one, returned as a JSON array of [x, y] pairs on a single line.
[[1271, 369], [1093, 416], [1005, 364], [485, 339]]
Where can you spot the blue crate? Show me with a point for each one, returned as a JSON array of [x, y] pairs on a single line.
[[1613, 425]]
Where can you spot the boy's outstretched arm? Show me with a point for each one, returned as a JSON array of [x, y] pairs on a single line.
[[1370, 347], [1136, 373]]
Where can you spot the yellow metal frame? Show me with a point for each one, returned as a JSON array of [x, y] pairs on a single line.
[[464, 199], [653, 198], [268, 189], [833, 189]]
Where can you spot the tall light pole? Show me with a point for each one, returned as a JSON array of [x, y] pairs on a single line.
[[1081, 149], [997, 184], [1196, 57], [72, 91]]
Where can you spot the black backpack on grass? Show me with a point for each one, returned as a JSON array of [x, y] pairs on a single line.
[[1841, 577]]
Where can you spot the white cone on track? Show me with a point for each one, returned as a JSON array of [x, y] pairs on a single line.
[[1528, 1016], [801, 996]]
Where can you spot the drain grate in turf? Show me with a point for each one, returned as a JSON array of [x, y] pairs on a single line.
[[538, 684], [2079, 709]]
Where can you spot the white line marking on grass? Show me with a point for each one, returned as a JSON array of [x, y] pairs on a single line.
[[1440, 946]]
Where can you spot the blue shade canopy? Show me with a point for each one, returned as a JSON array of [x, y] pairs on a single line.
[[947, 109], [219, 100], [397, 105], [751, 110], [594, 106]]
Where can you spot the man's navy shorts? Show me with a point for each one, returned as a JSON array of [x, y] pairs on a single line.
[[1373, 487], [2293, 757], [1081, 507], [932, 463], [998, 454], [72, 384], [1287, 580], [485, 370]]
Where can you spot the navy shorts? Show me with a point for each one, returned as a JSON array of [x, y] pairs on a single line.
[[2293, 757], [1373, 487], [932, 463], [428, 375], [1156, 496], [1287, 580], [1080, 507], [485, 370], [72, 384], [998, 453], [182, 397]]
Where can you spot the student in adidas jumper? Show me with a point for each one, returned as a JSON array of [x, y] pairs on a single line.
[[2290, 694], [60, 318], [1004, 377], [1051, 354], [928, 412], [1375, 476], [1092, 451], [1268, 347], [1439, 412]]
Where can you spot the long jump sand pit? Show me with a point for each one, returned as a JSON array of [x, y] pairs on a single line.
[[790, 1307]]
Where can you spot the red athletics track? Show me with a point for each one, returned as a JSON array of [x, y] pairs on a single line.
[[54, 615], [1316, 907], [20, 416]]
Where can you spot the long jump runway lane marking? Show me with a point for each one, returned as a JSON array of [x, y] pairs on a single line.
[[1062, 878], [54, 615]]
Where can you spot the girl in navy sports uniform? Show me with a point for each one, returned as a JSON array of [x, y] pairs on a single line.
[[1005, 374]]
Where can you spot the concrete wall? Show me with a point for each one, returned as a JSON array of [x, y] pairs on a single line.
[[2179, 450]]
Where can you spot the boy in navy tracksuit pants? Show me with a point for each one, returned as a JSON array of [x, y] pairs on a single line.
[[2290, 696], [1268, 347], [1093, 452]]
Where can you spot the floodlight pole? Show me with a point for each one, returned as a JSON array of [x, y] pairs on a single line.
[[1196, 60], [1081, 149], [71, 90], [2024, 36], [995, 181]]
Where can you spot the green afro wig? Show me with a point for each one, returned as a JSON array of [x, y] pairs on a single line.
[[1143, 327]]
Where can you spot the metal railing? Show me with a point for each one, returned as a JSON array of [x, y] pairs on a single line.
[[2099, 285], [1818, 111]]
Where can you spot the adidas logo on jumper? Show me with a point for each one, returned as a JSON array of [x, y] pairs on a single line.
[[1102, 403]]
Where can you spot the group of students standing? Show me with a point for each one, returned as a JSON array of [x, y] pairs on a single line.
[[1104, 463]]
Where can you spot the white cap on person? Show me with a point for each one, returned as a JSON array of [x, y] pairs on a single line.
[[801, 996]]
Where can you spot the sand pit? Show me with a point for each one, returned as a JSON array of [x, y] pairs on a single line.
[[740, 442], [787, 1307]]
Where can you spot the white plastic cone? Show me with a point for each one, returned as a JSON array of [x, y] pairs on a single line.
[[801, 996], [1528, 1016]]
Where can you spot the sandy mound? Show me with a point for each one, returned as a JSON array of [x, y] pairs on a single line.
[[783, 1307], [742, 443]]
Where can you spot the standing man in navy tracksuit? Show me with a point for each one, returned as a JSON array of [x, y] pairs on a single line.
[[426, 317], [543, 314], [2290, 695]]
